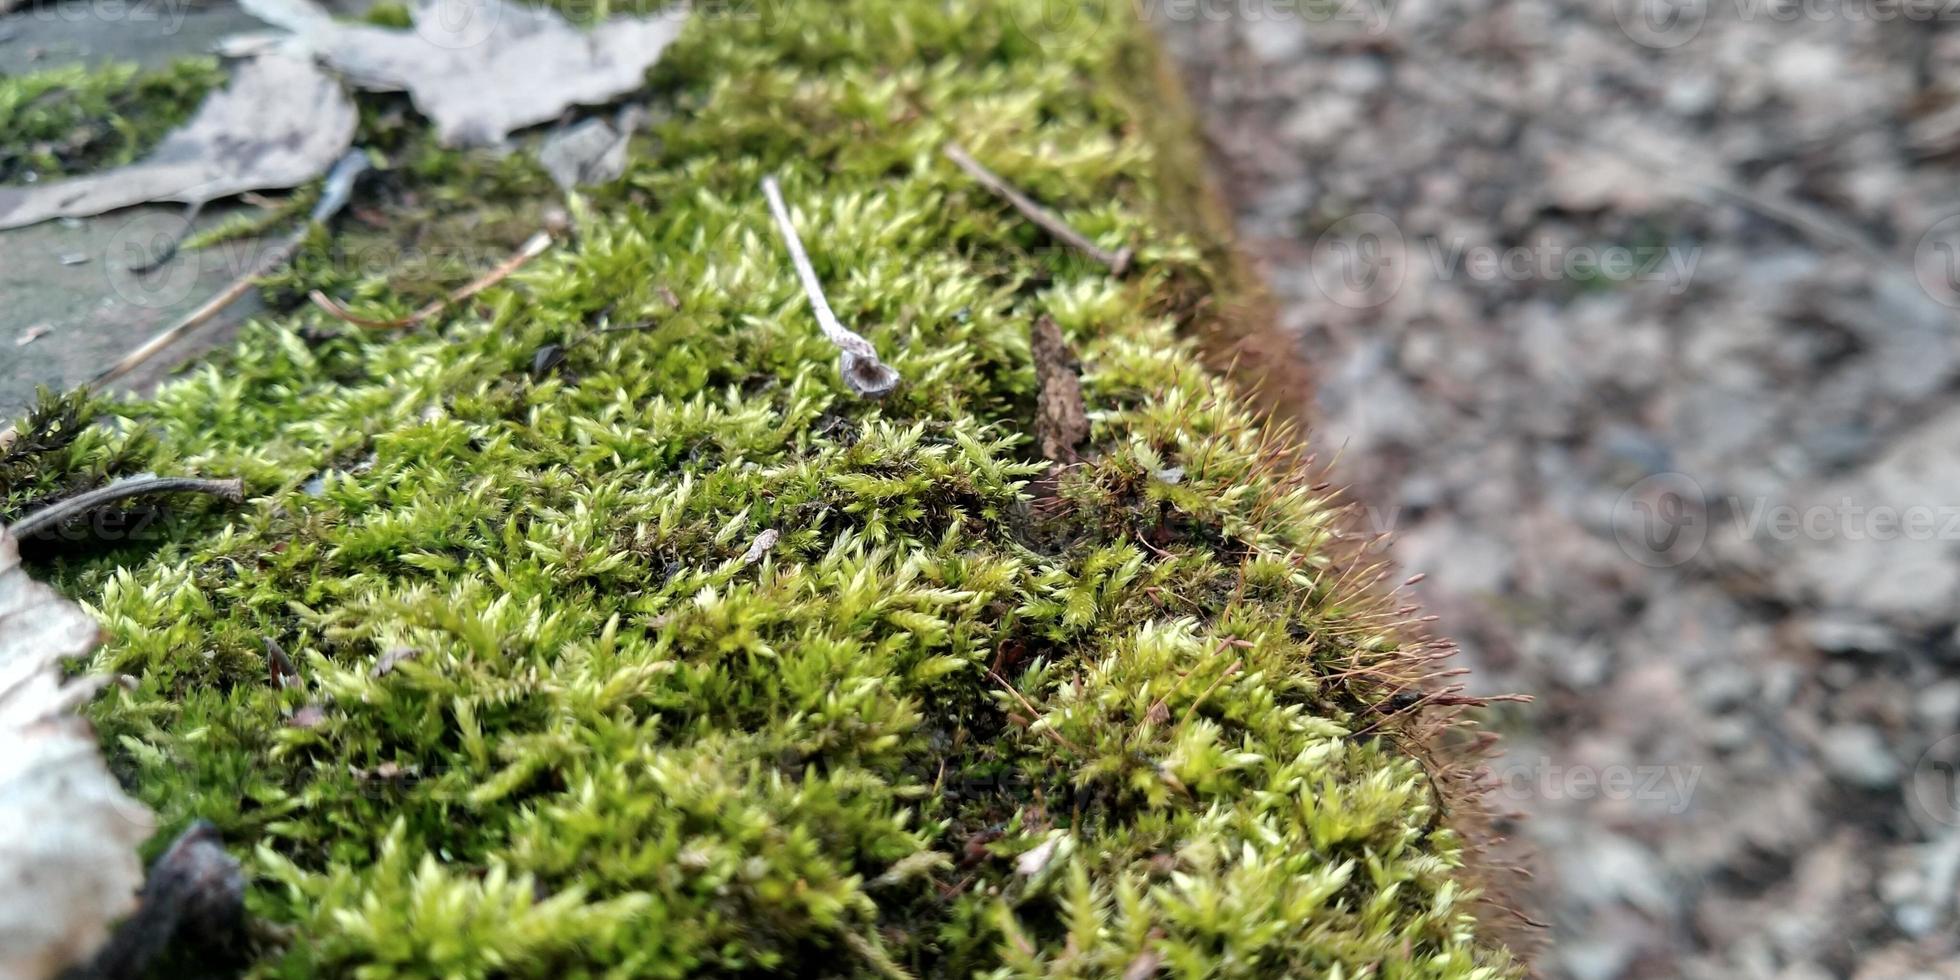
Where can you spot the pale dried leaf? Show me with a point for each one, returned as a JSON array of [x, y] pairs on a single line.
[[391, 658], [1143, 966], [68, 864], [279, 123], [1033, 862], [482, 69], [760, 546], [591, 152]]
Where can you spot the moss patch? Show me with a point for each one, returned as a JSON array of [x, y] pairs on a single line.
[[938, 729], [71, 120]]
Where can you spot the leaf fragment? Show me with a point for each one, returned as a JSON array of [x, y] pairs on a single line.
[[280, 123], [68, 863]]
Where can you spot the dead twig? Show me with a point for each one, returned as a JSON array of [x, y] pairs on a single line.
[[279, 667], [860, 366], [169, 249], [54, 514], [1034, 715], [532, 248], [1117, 261], [339, 187]]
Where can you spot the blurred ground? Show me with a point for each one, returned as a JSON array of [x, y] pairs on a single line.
[[1632, 331], [76, 286]]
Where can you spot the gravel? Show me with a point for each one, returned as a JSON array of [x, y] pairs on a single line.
[[1648, 355]]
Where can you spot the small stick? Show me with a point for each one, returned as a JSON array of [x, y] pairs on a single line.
[[280, 666], [52, 515], [861, 368], [334, 195], [169, 250], [339, 186], [1117, 261], [532, 248]]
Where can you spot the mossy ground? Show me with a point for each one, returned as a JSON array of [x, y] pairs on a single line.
[[72, 120], [940, 728]]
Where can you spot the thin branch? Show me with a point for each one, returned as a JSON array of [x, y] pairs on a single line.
[[339, 186], [1117, 261], [169, 249], [1034, 715], [861, 368], [54, 514], [532, 248]]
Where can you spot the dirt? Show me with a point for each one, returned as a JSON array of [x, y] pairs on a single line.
[[1640, 336]]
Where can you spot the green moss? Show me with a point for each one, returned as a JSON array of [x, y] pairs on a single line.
[[939, 729], [71, 120]]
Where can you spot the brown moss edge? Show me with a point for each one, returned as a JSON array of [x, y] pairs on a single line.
[[1232, 315]]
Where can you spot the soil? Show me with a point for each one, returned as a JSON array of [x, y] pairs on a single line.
[[1639, 336]]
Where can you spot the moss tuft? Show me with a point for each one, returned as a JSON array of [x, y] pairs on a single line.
[[574, 720], [72, 120]]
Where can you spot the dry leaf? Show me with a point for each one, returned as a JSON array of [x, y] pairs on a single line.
[[68, 864], [592, 152], [281, 122], [482, 69], [1061, 422], [1033, 862], [1143, 966], [760, 546], [394, 656]]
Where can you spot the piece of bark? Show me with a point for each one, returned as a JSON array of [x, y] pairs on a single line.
[[195, 895], [1061, 422]]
